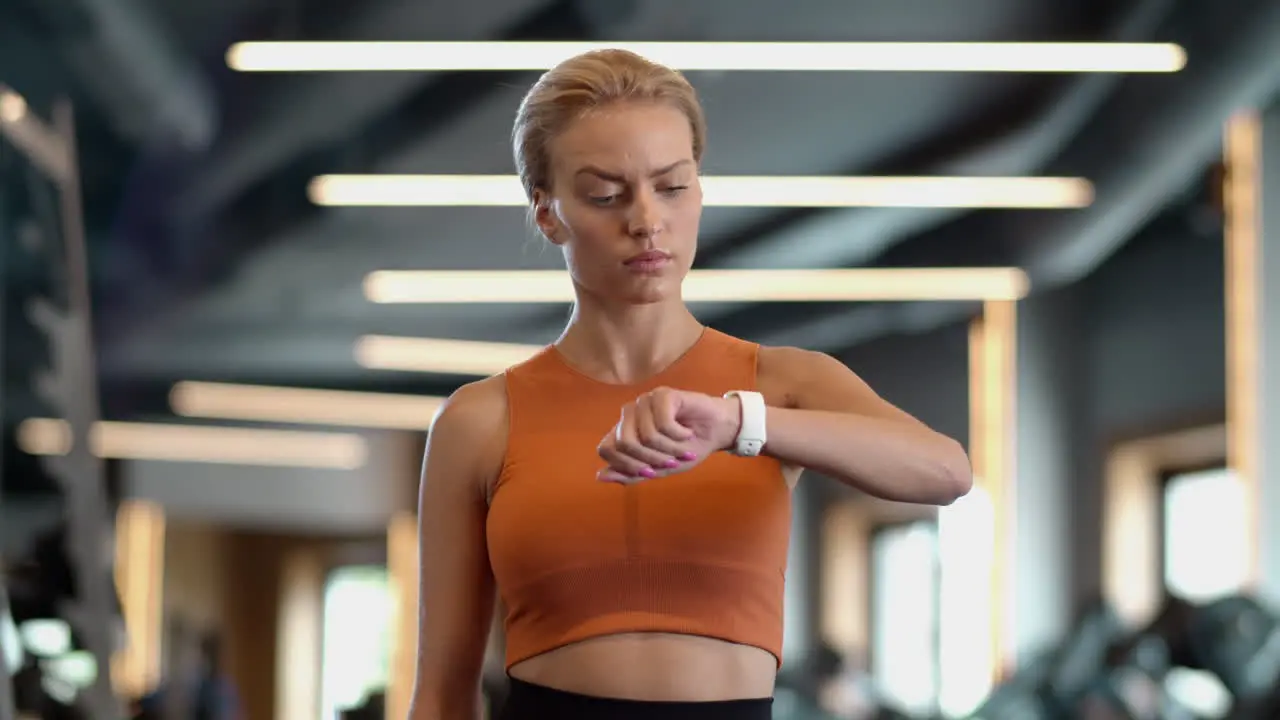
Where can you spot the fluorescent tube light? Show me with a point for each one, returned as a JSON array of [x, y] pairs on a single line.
[[438, 355], [303, 405], [200, 444], [724, 191], [834, 285], [1009, 57]]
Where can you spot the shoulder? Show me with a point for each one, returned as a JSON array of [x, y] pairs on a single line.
[[785, 358], [471, 427], [473, 408], [797, 363], [793, 372]]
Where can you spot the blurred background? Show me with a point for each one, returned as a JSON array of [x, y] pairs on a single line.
[[234, 291]]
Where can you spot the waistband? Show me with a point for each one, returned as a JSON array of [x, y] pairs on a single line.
[[526, 701]]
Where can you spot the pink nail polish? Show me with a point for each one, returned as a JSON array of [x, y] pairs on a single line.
[[670, 464], [648, 472], [688, 456]]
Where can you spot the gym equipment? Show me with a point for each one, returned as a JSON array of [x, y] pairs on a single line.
[[1238, 640], [69, 389], [1105, 672], [1052, 685], [7, 711]]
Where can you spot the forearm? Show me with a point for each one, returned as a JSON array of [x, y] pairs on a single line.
[[892, 459]]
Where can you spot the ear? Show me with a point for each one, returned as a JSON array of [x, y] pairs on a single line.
[[544, 216]]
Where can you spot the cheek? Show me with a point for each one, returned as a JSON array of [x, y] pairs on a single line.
[[587, 224], [687, 217]]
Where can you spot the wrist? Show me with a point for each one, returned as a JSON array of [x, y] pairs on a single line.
[[731, 423]]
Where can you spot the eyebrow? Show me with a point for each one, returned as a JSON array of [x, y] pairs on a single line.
[[614, 177]]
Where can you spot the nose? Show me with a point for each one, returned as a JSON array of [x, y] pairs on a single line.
[[644, 219]]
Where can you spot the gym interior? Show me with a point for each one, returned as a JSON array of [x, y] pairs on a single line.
[[221, 356]]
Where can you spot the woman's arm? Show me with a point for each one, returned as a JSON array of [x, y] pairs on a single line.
[[456, 593], [833, 423]]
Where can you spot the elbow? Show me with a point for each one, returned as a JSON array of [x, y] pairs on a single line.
[[954, 476]]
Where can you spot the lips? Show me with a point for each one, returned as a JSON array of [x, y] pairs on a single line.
[[648, 257]]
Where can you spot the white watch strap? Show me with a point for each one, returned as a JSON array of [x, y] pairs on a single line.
[[751, 435]]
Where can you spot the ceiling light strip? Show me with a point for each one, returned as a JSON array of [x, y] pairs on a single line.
[[262, 403], [834, 285], [1010, 57], [200, 444], [439, 355], [724, 191]]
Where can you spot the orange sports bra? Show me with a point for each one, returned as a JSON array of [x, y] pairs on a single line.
[[703, 552]]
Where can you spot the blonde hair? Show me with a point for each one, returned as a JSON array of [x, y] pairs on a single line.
[[586, 82]]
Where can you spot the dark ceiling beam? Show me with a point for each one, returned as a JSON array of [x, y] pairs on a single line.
[[1029, 135], [808, 237], [1152, 139], [149, 90], [1148, 148], [1018, 149], [844, 234], [277, 203], [255, 187], [315, 112], [275, 199]]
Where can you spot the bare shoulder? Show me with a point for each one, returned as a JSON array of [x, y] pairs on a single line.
[[470, 428], [785, 359], [787, 372], [474, 408]]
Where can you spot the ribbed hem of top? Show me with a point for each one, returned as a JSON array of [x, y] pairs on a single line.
[[632, 595]]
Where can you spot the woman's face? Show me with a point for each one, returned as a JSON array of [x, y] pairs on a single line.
[[624, 201]]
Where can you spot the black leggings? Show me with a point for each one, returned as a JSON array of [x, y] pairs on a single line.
[[526, 701]]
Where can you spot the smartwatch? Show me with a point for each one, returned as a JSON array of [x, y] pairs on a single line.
[[751, 433]]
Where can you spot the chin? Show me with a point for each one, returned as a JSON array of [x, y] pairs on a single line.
[[649, 291], [647, 298]]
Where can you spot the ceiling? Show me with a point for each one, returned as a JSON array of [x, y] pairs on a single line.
[[210, 263]]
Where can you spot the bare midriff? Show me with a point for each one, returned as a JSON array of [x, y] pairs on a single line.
[[656, 667]]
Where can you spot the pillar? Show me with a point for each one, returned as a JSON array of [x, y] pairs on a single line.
[[1266, 371], [1046, 426]]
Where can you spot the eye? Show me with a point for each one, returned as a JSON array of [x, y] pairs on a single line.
[[674, 190], [602, 200]]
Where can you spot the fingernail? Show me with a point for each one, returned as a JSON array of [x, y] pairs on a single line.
[[688, 456], [648, 472], [670, 464]]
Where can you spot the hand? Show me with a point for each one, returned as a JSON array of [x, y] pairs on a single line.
[[667, 431]]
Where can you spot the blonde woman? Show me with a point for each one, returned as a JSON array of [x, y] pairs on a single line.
[[627, 490]]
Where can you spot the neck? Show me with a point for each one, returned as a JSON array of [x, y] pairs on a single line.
[[627, 343]]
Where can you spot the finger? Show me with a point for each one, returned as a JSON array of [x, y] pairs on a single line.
[[666, 407], [628, 441], [650, 437], [623, 463], [614, 476]]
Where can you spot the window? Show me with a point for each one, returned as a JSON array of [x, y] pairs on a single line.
[[357, 622], [904, 602], [966, 548], [1205, 534]]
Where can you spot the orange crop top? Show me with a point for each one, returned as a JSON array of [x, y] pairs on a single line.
[[702, 552]]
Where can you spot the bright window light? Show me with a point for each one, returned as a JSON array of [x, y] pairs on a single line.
[[905, 615], [1205, 535], [966, 544], [356, 658]]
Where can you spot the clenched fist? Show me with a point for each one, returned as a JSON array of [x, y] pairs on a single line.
[[666, 431]]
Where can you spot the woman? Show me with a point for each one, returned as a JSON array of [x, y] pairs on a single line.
[[627, 491]]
